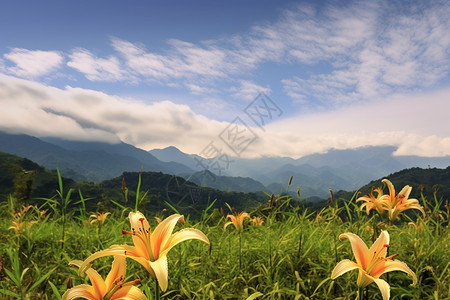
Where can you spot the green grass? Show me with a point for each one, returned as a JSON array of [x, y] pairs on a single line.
[[290, 256]]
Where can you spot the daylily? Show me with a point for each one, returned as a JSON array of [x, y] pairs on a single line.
[[20, 226], [397, 204], [237, 220], [99, 217], [257, 221], [371, 263], [109, 289], [150, 248], [372, 202]]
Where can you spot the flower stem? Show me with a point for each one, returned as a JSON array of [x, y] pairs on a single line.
[[240, 252], [157, 292]]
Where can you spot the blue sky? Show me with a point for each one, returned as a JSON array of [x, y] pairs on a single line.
[[339, 74]]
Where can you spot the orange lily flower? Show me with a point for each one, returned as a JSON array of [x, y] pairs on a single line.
[[372, 202], [109, 289], [397, 204], [99, 217], [237, 220], [371, 263], [20, 226], [257, 221], [150, 248]]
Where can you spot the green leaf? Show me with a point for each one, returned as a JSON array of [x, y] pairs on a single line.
[[60, 182], [137, 191], [172, 207], [254, 295], [15, 279], [118, 204], [55, 290], [9, 293], [37, 283]]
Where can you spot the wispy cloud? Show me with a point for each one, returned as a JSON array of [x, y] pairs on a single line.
[[183, 60], [97, 69], [33, 63], [248, 90], [390, 52]]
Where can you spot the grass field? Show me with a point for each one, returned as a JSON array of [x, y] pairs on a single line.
[[290, 256]]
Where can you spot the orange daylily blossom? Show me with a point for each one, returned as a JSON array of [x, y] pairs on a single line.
[[19, 226], [111, 288], [372, 202], [150, 248], [257, 221], [371, 263], [99, 217], [20, 214], [237, 220], [397, 204]]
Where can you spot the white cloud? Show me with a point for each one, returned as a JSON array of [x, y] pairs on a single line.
[[341, 54], [372, 52], [183, 60], [33, 63], [369, 50], [416, 124], [248, 90], [97, 69], [80, 114]]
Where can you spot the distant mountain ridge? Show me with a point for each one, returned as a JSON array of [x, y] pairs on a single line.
[[315, 174], [89, 161]]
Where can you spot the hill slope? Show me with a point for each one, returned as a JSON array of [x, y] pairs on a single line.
[[88, 161]]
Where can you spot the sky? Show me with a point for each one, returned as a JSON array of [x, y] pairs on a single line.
[[247, 78]]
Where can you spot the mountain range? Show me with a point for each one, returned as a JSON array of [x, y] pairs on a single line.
[[315, 174]]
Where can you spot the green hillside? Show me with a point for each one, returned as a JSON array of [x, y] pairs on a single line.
[[24, 179], [427, 182], [27, 181]]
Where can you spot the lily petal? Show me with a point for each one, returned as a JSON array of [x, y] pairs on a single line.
[[364, 279], [395, 265], [343, 267], [121, 250], [405, 192], [359, 248], [81, 291], [384, 288], [97, 281], [113, 250], [378, 248], [161, 271], [226, 225], [184, 235], [162, 233], [129, 292], [391, 190], [118, 269]]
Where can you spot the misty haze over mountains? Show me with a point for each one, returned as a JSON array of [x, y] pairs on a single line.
[[314, 174]]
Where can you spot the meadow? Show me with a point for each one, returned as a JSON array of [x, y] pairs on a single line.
[[282, 250]]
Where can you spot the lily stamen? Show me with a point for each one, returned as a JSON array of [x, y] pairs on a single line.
[[391, 257]]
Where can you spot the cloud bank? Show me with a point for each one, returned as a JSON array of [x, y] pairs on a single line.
[[417, 125]]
